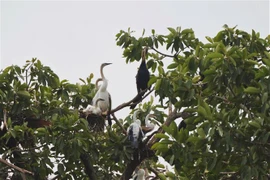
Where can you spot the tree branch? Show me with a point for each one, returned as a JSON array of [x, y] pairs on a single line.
[[147, 144], [129, 103], [171, 117], [23, 171], [89, 170], [119, 124], [166, 55]]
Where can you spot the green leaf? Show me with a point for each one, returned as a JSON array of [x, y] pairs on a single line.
[[24, 94], [172, 66], [161, 135], [186, 31], [201, 133], [161, 176], [201, 111], [158, 83], [214, 55], [172, 30], [252, 90], [61, 169], [209, 39], [255, 124], [152, 80], [266, 61]]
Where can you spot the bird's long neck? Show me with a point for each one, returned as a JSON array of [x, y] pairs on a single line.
[[98, 101], [135, 116], [104, 85], [147, 119], [99, 79], [101, 72]]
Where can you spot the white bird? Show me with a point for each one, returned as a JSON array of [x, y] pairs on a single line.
[[147, 123], [105, 106], [93, 109], [140, 175], [135, 133]]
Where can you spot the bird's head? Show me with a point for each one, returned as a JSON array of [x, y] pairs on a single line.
[[105, 64]]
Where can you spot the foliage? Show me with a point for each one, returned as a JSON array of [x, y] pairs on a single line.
[[222, 84]]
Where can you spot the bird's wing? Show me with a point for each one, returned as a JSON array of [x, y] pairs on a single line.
[[109, 110], [130, 132]]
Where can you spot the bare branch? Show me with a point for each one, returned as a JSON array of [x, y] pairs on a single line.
[[119, 124], [171, 117], [129, 103], [166, 55], [23, 171]]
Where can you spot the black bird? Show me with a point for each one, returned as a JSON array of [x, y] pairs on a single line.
[[142, 79]]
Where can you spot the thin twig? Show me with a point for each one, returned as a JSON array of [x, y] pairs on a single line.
[[118, 123], [23, 171], [166, 55]]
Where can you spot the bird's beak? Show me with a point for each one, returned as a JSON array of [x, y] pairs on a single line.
[[108, 63]]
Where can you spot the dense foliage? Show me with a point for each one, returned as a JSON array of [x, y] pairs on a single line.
[[219, 88]]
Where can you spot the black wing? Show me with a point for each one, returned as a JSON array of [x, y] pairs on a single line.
[[109, 111]]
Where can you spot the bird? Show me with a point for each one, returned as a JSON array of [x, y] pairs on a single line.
[[140, 175], [182, 125], [93, 109], [147, 123], [135, 133], [142, 79], [105, 106]]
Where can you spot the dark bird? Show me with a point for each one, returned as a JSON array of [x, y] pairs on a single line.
[[142, 79]]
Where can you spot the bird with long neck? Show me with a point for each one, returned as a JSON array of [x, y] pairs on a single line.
[[142, 79], [105, 106], [147, 122], [135, 133], [93, 109]]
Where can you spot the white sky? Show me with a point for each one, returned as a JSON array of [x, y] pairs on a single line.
[[75, 37]]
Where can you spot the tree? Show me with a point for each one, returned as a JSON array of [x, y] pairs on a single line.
[[219, 89]]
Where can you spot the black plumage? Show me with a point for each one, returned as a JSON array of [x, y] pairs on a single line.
[[142, 79]]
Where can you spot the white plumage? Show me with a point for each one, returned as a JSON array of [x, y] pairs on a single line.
[[93, 109], [135, 133], [147, 122], [140, 175], [102, 92]]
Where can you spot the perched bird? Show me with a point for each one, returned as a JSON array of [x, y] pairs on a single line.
[[182, 125], [93, 109], [142, 79], [135, 133], [105, 106], [140, 175], [147, 123]]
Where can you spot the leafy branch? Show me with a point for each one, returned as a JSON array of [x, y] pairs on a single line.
[[21, 170]]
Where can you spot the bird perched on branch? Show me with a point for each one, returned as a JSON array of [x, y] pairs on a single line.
[[142, 79], [135, 133], [93, 109], [102, 93]]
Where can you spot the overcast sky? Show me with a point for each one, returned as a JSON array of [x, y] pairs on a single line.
[[74, 38]]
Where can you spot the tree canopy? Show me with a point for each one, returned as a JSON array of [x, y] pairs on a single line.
[[218, 89]]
